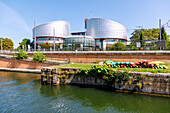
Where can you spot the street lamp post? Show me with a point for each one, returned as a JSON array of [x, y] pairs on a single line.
[[1, 44], [76, 56], [54, 37], [160, 26], [160, 32]]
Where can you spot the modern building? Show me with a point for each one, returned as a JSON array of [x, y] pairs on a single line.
[[79, 42], [99, 33], [105, 32], [46, 33]]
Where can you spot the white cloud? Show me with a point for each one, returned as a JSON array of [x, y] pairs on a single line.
[[12, 25]]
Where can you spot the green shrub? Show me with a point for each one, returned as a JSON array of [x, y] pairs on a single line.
[[96, 62], [103, 72], [119, 46], [38, 57], [113, 78], [21, 55], [134, 48]]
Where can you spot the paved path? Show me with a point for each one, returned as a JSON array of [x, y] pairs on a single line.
[[21, 70]]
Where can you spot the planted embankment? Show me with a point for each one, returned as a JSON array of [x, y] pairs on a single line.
[[21, 64], [138, 82]]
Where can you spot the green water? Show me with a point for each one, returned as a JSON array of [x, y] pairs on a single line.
[[22, 92]]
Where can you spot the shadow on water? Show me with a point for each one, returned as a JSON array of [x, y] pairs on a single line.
[[18, 78], [101, 100]]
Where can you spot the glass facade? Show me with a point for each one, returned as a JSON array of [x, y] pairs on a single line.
[[78, 43], [110, 40], [48, 42]]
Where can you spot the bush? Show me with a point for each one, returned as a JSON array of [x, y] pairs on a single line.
[[135, 48], [103, 72], [38, 57], [113, 78], [119, 46], [21, 55]]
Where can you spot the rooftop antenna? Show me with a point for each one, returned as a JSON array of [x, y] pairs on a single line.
[[91, 13]]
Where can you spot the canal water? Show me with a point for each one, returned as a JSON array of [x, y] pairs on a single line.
[[22, 92]]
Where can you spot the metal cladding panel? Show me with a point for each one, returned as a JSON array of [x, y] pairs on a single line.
[[103, 28], [62, 29]]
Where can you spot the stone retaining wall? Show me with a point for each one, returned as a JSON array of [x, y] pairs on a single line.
[[152, 83]]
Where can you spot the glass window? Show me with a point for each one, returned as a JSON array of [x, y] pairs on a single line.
[[110, 40], [123, 41]]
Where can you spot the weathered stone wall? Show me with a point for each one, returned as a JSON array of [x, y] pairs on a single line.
[[158, 83]]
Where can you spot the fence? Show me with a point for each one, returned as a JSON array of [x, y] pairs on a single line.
[[135, 45]]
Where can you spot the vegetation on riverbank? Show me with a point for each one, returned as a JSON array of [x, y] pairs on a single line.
[[21, 55], [38, 57], [85, 66], [111, 78]]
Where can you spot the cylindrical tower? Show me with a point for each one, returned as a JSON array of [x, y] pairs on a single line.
[[45, 33], [103, 28], [106, 30]]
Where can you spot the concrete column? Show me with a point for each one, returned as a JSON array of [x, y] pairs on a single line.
[[103, 44], [61, 46], [95, 44]]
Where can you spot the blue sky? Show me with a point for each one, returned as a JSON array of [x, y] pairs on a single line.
[[17, 16]]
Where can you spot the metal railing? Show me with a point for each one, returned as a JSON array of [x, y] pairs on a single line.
[[147, 45]]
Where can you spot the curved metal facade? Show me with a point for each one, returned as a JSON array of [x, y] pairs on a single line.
[[45, 33], [103, 28], [62, 29]]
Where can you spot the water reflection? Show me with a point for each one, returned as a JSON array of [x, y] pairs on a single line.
[[17, 78], [103, 100]]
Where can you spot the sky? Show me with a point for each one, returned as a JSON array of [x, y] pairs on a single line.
[[17, 16]]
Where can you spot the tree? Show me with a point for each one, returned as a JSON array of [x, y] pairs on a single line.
[[164, 36], [119, 46], [149, 34], [142, 39], [135, 35], [7, 44], [24, 43]]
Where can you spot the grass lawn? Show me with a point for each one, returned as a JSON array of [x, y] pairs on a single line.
[[84, 66]]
